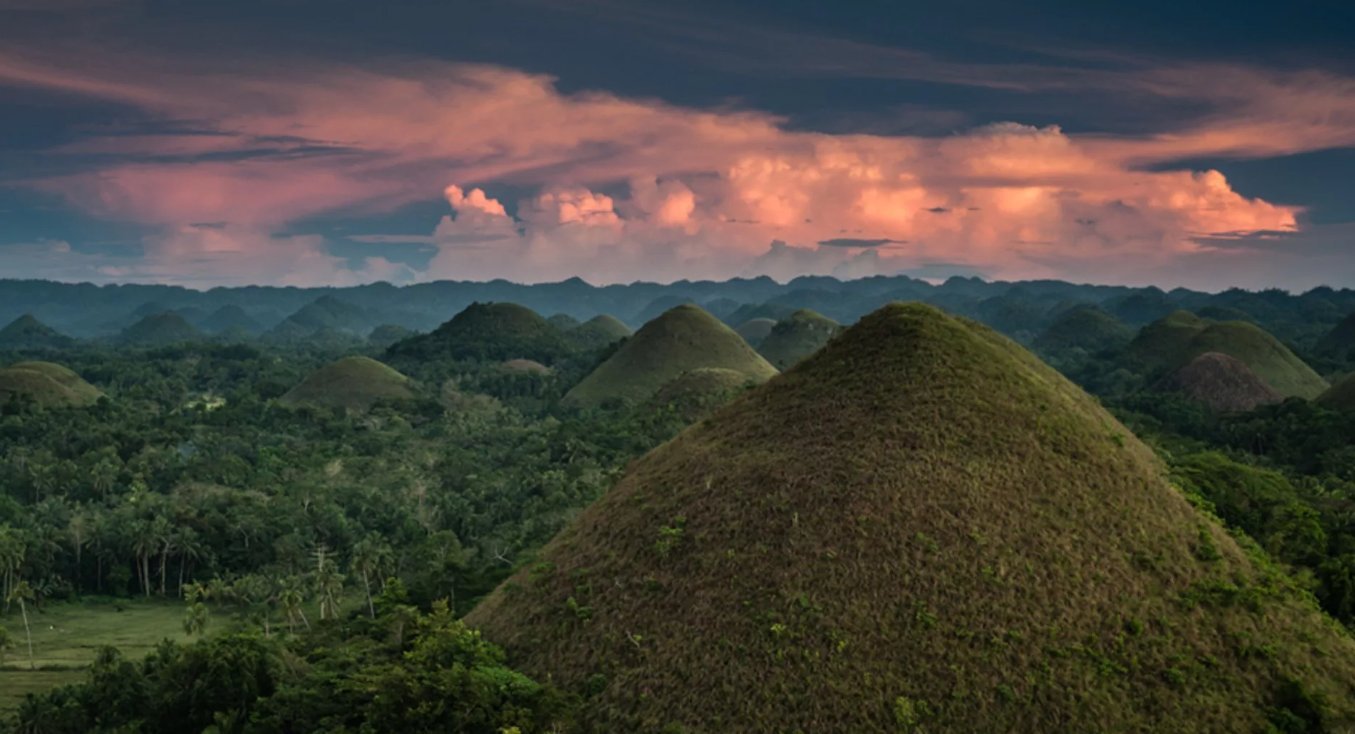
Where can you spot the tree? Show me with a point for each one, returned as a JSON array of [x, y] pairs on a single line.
[[292, 601], [6, 642], [372, 557], [22, 593]]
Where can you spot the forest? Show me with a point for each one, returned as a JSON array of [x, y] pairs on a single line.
[[317, 486]]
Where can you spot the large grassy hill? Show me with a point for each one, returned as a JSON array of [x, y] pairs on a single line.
[[1172, 342], [46, 384], [26, 332], [159, 330], [920, 528], [797, 336], [682, 339], [754, 331], [598, 332], [487, 332], [352, 383], [1221, 383], [1084, 327]]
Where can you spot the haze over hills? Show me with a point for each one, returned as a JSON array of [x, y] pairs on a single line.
[[869, 542], [682, 339]]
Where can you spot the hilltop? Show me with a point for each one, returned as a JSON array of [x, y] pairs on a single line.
[[487, 332], [1174, 341], [598, 332], [796, 337], [1084, 327], [231, 320], [159, 330], [1221, 383], [871, 542], [352, 383], [754, 331], [682, 339], [46, 384], [325, 316], [26, 332]]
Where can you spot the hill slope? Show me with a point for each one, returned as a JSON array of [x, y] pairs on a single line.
[[1084, 327], [159, 330], [1341, 396], [796, 337], [1174, 341], [488, 332], [597, 333], [1341, 339], [754, 331], [871, 543], [696, 394], [231, 320], [682, 339], [46, 384], [1221, 383], [352, 383], [26, 332]]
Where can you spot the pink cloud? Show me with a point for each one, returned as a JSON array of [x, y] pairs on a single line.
[[705, 191]]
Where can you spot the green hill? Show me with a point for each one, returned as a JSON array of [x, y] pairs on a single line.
[[597, 333], [324, 317], [487, 332], [1341, 395], [26, 332], [159, 330], [872, 543], [796, 337], [754, 331], [1172, 342], [563, 321], [524, 367], [231, 320], [682, 339], [1340, 340], [1084, 327], [383, 336], [352, 383], [1221, 383], [46, 384], [694, 395]]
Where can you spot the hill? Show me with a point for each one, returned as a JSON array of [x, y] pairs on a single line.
[[1172, 342], [524, 367], [597, 333], [352, 383], [870, 542], [1340, 341], [231, 320], [325, 316], [46, 384], [563, 321], [1084, 327], [385, 335], [159, 330], [1341, 396], [682, 339], [487, 332], [796, 337], [754, 331], [696, 394], [1221, 383], [26, 332]]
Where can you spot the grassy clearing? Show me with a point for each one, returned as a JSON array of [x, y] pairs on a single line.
[[66, 637]]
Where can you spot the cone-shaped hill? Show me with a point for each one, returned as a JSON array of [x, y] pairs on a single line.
[[682, 339], [46, 384], [487, 332], [875, 542], [159, 330], [325, 317], [796, 337], [1221, 383], [754, 331], [26, 332], [1174, 341], [563, 321], [231, 319], [598, 332], [696, 394], [1084, 327], [352, 383], [1341, 396]]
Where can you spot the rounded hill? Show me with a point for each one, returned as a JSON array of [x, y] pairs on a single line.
[[1221, 383], [754, 331], [680, 340], [1341, 396], [870, 542], [796, 337], [27, 332], [1084, 327], [598, 332], [487, 332], [46, 384], [159, 330], [352, 383], [1340, 340], [695, 394]]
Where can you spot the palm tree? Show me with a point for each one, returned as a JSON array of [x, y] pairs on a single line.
[[292, 602], [13, 549], [22, 593], [80, 526], [371, 557]]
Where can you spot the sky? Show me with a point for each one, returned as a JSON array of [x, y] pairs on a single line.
[[338, 142]]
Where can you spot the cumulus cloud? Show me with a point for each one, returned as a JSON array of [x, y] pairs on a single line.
[[635, 189]]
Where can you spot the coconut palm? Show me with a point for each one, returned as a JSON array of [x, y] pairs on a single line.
[[372, 557], [22, 593]]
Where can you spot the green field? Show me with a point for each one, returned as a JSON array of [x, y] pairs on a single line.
[[66, 636]]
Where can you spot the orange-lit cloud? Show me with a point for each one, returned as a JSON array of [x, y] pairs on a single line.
[[630, 189]]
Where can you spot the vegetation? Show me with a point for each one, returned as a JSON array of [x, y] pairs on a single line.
[[754, 331], [160, 329], [597, 333], [1084, 327], [45, 384], [682, 339], [352, 383], [487, 331], [696, 394], [1341, 396], [796, 337], [1221, 383], [967, 564], [27, 333]]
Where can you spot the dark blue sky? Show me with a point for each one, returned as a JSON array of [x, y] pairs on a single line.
[[1076, 136]]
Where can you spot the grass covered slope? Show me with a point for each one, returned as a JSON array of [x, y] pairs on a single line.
[[696, 394], [796, 337], [487, 332], [1084, 327], [597, 333], [159, 330], [1341, 339], [26, 332], [1341, 396], [1221, 383], [1173, 342], [919, 528], [754, 331], [681, 339], [46, 384], [352, 383]]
